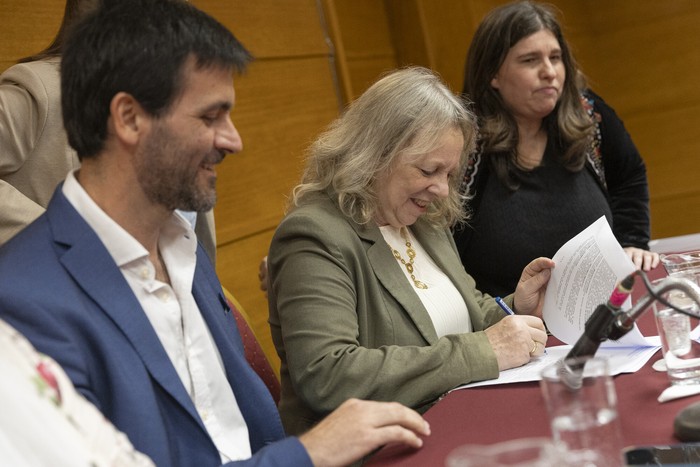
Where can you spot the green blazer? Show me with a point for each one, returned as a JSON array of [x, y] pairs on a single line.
[[346, 322]]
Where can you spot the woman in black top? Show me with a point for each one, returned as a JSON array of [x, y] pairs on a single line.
[[552, 156]]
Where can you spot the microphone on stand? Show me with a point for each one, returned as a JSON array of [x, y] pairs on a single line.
[[609, 322], [600, 326]]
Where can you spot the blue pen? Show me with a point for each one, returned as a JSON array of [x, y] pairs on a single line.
[[503, 306]]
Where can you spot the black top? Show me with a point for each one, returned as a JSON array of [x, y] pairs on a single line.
[[509, 229]]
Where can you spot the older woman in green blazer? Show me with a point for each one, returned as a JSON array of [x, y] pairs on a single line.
[[368, 297]]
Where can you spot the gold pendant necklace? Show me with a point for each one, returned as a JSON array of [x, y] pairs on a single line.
[[411, 256]]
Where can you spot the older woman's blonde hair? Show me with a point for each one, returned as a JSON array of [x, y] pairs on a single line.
[[405, 112]]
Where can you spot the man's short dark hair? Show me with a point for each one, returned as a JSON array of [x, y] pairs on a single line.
[[139, 47]]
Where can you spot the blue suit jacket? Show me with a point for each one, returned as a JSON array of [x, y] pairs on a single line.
[[60, 287]]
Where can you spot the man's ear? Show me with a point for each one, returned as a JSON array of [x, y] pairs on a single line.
[[129, 119]]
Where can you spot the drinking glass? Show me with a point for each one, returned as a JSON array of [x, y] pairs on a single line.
[[582, 404], [681, 353], [676, 263]]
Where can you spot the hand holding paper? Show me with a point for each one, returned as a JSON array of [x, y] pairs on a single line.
[[587, 269]]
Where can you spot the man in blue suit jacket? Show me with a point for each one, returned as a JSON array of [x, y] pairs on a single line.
[[146, 94]]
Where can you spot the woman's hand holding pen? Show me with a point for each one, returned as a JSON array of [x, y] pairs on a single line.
[[516, 339]]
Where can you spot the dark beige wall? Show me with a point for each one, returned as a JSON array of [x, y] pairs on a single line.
[[27, 28]]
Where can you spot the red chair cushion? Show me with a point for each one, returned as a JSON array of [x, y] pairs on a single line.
[[255, 355]]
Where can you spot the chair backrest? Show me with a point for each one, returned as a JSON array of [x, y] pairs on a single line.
[[253, 351]]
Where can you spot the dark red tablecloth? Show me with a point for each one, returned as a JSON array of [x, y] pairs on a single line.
[[490, 414]]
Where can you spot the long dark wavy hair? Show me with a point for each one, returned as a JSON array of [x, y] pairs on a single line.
[[568, 123]]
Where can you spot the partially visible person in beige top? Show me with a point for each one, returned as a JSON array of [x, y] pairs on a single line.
[[34, 152]]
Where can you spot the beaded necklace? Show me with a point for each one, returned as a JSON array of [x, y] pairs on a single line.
[[411, 256]]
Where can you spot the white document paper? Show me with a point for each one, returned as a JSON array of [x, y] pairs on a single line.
[[587, 270], [620, 360]]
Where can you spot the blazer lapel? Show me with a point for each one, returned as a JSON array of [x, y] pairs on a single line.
[[90, 264], [390, 275], [439, 245]]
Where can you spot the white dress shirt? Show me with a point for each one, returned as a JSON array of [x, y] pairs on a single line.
[[175, 316]]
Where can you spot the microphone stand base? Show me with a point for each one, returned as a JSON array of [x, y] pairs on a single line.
[[686, 425]]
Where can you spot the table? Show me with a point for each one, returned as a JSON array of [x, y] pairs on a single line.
[[490, 414]]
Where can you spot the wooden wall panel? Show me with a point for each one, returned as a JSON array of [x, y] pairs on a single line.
[[408, 31], [284, 100], [272, 28], [449, 26], [671, 157], [668, 141], [642, 57], [365, 72], [281, 105], [676, 214], [436, 34], [655, 59], [364, 27], [363, 47], [27, 27]]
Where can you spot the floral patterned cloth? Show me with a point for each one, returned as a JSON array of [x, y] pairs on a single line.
[[43, 419]]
